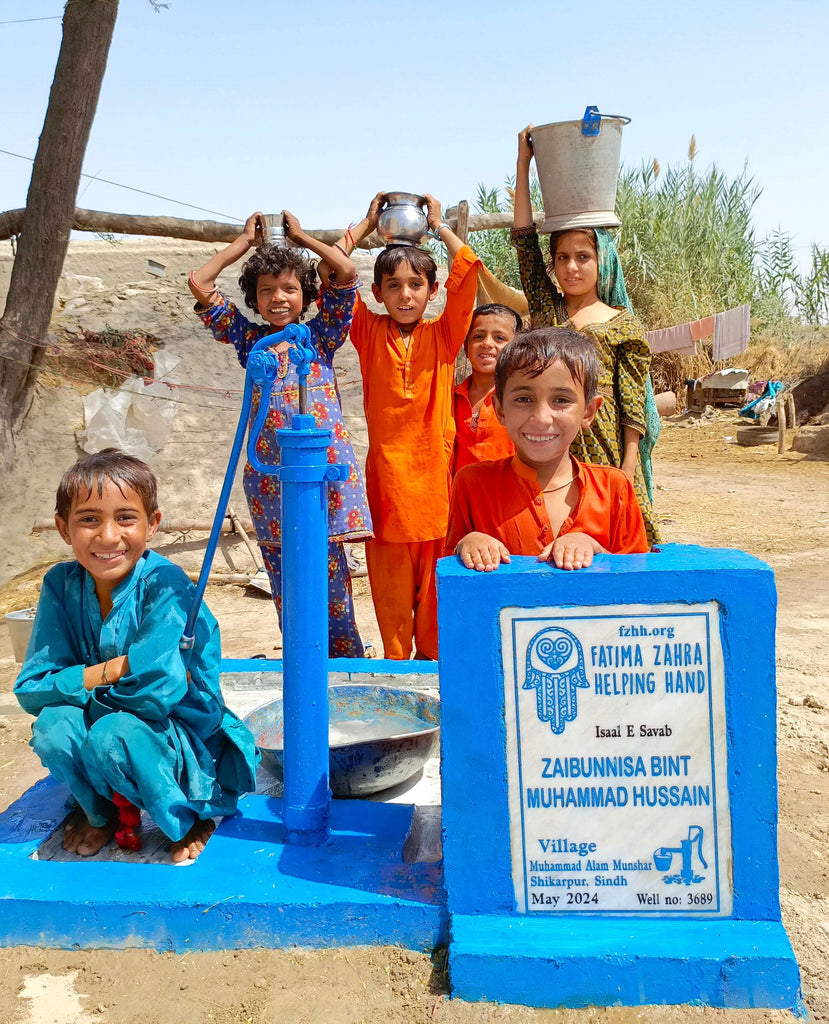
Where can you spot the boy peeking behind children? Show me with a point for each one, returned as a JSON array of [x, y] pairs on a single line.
[[541, 501], [407, 365], [480, 436], [125, 717]]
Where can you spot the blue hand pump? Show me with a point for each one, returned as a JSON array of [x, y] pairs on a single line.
[[304, 473]]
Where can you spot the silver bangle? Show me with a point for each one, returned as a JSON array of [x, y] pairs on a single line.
[[336, 245]]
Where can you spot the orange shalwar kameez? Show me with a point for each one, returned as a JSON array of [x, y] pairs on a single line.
[[407, 396], [481, 438], [504, 500]]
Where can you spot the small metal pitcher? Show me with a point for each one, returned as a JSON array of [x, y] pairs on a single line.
[[273, 231]]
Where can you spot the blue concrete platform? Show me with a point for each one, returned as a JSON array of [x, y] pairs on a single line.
[[624, 956], [247, 889], [577, 963]]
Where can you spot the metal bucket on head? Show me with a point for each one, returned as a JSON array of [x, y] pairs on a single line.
[[578, 169]]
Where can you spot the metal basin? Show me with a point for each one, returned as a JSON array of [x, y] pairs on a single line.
[[378, 736]]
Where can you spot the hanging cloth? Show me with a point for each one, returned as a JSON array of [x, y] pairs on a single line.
[[672, 339], [702, 328], [731, 332]]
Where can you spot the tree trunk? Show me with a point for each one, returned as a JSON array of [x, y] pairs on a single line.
[[50, 205]]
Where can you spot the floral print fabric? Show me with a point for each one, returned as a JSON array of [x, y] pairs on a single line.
[[348, 516]]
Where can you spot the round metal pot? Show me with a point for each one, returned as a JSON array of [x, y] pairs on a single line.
[[402, 220]]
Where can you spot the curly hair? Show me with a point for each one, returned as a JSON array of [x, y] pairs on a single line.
[[273, 259]]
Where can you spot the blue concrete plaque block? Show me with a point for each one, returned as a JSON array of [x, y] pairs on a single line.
[[609, 762]]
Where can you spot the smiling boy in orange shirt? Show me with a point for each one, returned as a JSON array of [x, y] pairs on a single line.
[[541, 501], [407, 366]]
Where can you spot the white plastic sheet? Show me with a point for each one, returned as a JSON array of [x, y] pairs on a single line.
[[137, 417]]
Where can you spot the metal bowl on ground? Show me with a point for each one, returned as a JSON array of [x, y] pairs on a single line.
[[379, 736]]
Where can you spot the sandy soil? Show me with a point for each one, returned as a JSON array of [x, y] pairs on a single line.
[[710, 492]]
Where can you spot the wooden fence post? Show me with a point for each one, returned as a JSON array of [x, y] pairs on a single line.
[[780, 406], [462, 367], [462, 230]]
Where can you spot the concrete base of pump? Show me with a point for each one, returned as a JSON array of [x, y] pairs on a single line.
[[545, 962], [248, 888]]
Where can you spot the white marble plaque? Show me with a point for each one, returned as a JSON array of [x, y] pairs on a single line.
[[616, 759]]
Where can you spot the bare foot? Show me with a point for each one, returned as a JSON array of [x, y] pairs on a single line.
[[83, 838], [194, 842]]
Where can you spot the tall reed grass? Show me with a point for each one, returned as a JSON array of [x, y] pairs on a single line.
[[686, 243], [494, 247], [689, 248]]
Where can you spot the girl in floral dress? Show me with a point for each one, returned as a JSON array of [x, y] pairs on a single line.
[[280, 284]]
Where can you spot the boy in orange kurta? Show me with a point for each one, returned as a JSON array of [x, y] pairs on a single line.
[[541, 501], [407, 366], [479, 434]]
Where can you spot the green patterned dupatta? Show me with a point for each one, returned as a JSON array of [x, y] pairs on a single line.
[[612, 292]]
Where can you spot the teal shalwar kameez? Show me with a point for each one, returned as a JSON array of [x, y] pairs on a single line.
[[161, 736]]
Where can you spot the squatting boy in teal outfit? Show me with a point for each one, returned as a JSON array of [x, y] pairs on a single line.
[[123, 715]]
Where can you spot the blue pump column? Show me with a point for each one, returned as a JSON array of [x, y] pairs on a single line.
[[303, 474]]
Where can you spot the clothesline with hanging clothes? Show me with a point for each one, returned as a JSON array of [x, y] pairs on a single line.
[[731, 331]]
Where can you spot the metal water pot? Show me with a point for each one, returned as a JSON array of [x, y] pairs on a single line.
[[402, 220], [273, 231]]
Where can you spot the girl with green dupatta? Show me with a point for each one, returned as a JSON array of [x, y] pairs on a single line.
[[593, 299]]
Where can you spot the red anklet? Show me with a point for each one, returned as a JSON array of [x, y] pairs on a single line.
[[129, 820]]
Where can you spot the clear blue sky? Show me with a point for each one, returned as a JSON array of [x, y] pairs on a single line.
[[237, 105]]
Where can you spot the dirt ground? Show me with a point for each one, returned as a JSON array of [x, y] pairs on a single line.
[[710, 491]]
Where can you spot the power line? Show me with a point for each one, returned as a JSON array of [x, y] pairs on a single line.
[[141, 191], [20, 21]]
